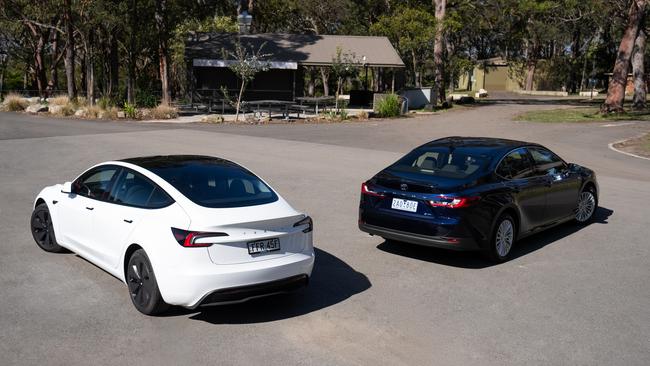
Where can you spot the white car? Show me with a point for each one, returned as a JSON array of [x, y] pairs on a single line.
[[179, 230]]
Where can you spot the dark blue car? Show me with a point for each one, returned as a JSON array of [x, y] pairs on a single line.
[[470, 193]]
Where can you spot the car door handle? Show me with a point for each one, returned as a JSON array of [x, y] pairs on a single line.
[[128, 221], [90, 208]]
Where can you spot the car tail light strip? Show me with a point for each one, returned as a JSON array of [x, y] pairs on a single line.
[[452, 202], [368, 192], [188, 239]]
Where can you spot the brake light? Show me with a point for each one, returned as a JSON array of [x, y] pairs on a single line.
[[188, 238], [306, 221], [367, 191], [452, 202]]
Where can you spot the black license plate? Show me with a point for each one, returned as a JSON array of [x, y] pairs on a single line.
[[263, 246]]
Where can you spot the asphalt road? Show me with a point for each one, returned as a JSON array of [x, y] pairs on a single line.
[[570, 296]]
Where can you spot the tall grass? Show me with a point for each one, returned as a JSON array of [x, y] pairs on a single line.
[[389, 106], [14, 103], [163, 112]]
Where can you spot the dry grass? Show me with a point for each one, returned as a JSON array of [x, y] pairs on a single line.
[[65, 110], [93, 112], [14, 103], [163, 112], [59, 100]]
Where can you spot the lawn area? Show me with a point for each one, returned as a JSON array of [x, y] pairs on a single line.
[[579, 114]]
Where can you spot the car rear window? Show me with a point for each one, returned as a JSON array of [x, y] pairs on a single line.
[[216, 184], [453, 163]]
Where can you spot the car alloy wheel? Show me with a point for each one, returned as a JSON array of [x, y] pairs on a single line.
[[504, 237], [142, 285], [43, 230], [586, 206]]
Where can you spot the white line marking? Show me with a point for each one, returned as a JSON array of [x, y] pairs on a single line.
[[618, 124], [611, 146]]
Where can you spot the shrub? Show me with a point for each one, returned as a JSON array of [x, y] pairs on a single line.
[[63, 110], [15, 103], [164, 112], [104, 103], [130, 111], [389, 106], [58, 100], [363, 115], [213, 118], [93, 112], [145, 99]]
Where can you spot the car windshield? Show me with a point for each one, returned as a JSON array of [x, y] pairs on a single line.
[[445, 162], [216, 183]]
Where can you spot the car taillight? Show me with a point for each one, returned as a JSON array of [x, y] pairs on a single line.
[[306, 221], [189, 239], [367, 191], [452, 202]]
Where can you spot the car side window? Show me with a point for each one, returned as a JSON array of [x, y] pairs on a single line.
[[515, 165], [133, 189], [545, 161], [96, 183]]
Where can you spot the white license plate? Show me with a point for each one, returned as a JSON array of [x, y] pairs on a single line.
[[404, 205], [263, 246]]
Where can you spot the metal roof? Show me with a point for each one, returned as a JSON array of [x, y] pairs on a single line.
[[303, 49]]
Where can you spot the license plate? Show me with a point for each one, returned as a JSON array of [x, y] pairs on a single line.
[[263, 246], [404, 205]]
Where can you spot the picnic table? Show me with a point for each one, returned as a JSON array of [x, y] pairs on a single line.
[[326, 101], [282, 105]]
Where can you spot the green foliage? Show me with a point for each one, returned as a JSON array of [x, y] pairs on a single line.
[[104, 103], [145, 99], [344, 65], [389, 106], [130, 110], [412, 32], [247, 63]]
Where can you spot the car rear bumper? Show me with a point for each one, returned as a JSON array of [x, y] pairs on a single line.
[[221, 284], [425, 240]]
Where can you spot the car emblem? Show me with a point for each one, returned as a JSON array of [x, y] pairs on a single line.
[[404, 187]]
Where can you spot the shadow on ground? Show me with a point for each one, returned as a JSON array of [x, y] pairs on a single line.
[[332, 281], [474, 260]]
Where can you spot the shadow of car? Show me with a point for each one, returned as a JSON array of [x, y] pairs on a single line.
[[473, 260]]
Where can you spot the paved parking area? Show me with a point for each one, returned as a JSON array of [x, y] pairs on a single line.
[[570, 296]]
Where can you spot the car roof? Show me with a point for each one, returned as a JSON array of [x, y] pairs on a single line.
[[483, 144], [161, 161]]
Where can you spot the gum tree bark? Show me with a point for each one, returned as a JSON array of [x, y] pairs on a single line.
[[69, 51], [638, 71], [440, 7], [163, 50], [616, 90]]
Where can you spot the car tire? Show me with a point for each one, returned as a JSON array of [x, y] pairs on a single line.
[[503, 239], [142, 284], [587, 206], [43, 230]]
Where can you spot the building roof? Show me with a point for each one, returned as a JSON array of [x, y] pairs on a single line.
[[299, 49]]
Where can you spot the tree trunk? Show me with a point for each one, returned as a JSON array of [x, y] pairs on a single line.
[[241, 95], [39, 66], [114, 67], [311, 83], [616, 89], [638, 70], [440, 7], [53, 83], [163, 51], [531, 66], [416, 73], [90, 71], [130, 81], [324, 74], [69, 51], [575, 56]]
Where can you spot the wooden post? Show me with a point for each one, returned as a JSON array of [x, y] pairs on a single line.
[[392, 82]]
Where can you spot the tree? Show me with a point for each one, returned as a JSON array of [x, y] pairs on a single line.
[[412, 32], [440, 7], [638, 71], [344, 65], [246, 64], [69, 50], [616, 89], [163, 50]]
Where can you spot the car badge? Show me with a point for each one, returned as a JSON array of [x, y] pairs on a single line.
[[404, 187]]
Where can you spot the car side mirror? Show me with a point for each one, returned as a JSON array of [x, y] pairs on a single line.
[[67, 187]]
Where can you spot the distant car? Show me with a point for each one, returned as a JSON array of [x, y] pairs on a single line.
[[180, 230], [468, 193]]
